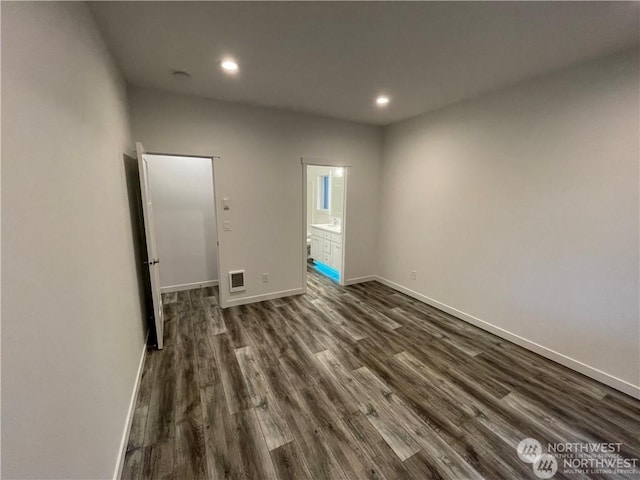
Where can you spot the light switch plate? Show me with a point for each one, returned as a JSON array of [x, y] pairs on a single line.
[[226, 225]]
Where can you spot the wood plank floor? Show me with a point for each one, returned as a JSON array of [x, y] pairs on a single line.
[[356, 382]]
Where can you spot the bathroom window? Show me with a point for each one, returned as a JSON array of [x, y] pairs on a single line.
[[324, 195]]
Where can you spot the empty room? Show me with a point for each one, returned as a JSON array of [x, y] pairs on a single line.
[[320, 240]]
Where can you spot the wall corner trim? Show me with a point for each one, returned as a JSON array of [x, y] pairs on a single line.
[[602, 377], [117, 474]]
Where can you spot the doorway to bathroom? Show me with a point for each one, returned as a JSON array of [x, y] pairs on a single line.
[[325, 189]]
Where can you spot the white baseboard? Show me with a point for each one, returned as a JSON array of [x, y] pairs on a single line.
[[353, 281], [234, 302], [132, 406], [589, 371], [188, 286]]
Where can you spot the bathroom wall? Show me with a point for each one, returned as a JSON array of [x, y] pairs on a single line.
[[337, 196], [184, 217]]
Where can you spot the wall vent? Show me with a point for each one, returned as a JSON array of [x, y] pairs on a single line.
[[236, 281]]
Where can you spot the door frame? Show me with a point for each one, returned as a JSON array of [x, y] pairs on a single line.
[[215, 159], [324, 162]]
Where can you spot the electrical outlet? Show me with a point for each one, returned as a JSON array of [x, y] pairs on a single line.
[[413, 274], [265, 278]]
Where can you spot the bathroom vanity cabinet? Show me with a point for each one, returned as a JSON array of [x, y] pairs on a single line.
[[326, 247]]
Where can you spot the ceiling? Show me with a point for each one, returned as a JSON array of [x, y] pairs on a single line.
[[334, 58]]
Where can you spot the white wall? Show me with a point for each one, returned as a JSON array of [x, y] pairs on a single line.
[[184, 217], [72, 334], [520, 208], [260, 171]]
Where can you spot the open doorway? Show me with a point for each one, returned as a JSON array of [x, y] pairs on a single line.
[[185, 222], [325, 207], [180, 228]]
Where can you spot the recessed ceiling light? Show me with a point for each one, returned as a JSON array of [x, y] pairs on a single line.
[[229, 65], [382, 100]]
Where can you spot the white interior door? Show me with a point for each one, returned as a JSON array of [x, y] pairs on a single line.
[[152, 249]]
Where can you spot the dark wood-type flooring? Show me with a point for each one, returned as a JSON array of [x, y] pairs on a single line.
[[356, 382]]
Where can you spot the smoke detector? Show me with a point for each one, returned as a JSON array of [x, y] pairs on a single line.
[[180, 75]]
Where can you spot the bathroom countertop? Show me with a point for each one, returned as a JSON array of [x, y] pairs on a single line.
[[327, 227]]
